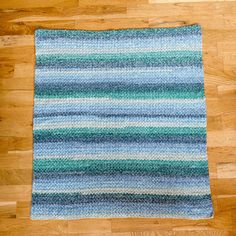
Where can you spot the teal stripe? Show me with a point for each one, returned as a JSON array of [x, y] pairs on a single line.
[[135, 166], [115, 56], [126, 130], [124, 134], [135, 33], [55, 88], [175, 56], [50, 136]]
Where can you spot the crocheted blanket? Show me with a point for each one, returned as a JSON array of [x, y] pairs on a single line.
[[120, 124]]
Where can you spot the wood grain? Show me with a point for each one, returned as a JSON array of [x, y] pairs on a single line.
[[19, 19]]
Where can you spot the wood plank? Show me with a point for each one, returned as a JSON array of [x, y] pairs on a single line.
[[19, 19], [15, 4]]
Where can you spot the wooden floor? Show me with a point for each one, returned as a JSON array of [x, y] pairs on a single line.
[[19, 19]]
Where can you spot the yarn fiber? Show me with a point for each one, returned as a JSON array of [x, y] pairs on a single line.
[[120, 124]]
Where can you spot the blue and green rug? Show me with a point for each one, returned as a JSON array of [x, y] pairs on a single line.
[[120, 124]]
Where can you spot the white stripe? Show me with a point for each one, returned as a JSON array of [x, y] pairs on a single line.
[[62, 71], [43, 51], [45, 101], [129, 156], [118, 124], [169, 191]]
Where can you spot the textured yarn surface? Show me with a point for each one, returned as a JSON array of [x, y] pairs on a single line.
[[120, 124]]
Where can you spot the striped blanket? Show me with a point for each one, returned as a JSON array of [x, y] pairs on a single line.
[[120, 124]]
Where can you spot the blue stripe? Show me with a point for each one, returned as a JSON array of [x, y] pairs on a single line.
[[72, 113], [155, 76], [68, 148], [74, 182], [112, 44], [121, 109], [94, 210], [77, 119]]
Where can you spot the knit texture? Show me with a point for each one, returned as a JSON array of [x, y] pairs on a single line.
[[120, 124]]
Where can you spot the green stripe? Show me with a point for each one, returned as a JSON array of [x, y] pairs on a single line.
[[174, 56], [117, 88], [126, 130], [116, 56], [136, 166], [130, 133]]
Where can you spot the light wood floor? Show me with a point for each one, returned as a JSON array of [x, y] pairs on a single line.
[[19, 19]]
